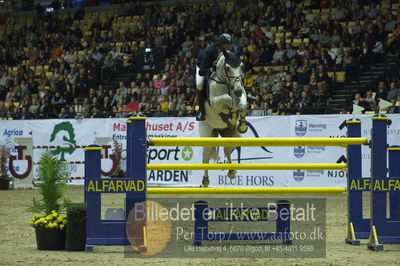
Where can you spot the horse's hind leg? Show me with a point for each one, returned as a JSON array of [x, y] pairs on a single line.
[[228, 150], [228, 155], [206, 181], [208, 152]]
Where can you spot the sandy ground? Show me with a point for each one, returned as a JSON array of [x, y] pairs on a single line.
[[18, 243]]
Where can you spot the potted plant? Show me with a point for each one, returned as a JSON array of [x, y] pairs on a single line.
[[4, 178], [48, 222], [50, 230], [5, 182]]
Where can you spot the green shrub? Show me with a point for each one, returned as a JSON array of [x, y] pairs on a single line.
[[52, 184], [76, 229]]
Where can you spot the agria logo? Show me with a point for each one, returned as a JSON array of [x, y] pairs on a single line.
[[298, 175], [299, 151]]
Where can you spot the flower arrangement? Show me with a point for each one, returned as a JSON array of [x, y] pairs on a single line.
[[52, 183], [118, 173], [53, 220], [4, 155]]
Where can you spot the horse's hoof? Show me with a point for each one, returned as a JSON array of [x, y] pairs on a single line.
[[231, 124], [232, 174], [205, 182], [242, 127]]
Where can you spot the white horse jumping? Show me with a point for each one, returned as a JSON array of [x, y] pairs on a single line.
[[225, 108]]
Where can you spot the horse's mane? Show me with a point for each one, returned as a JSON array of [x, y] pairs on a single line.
[[232, 59]]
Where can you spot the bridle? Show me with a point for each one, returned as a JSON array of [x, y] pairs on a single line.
[[231, 79]]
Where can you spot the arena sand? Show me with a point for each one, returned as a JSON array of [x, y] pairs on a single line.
[[18, 243]]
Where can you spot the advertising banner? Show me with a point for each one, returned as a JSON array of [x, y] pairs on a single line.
[[107, 131]]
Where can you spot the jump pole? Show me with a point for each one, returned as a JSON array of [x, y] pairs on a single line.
[[257, 142], [247, 190], [258, 166]]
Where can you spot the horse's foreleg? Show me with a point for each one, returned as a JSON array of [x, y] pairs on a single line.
[[242, 107], [228, 152], [221, 103], [242, 127]]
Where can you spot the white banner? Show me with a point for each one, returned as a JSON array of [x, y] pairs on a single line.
[[87, 131]]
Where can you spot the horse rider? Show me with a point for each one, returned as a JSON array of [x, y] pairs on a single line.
[[205, 62]]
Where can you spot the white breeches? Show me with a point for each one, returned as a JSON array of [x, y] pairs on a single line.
[[199, 80]]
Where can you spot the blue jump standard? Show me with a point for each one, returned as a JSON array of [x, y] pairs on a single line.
[[113, 232], [377, 229]]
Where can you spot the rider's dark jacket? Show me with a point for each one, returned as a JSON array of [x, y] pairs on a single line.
[[206, 58]]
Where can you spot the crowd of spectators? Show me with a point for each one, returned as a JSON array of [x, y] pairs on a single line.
[[81, 61], [369, 100]]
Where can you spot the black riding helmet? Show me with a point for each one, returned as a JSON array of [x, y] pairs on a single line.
[[224, 39]]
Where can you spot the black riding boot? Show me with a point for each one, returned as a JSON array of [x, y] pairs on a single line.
[[201, 114]]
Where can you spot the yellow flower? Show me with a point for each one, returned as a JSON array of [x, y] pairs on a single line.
[[31, 222], [50, 225], [62, 226], [36, 216], [49, 217], [54, 214], [64, 221], [46, 226]]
